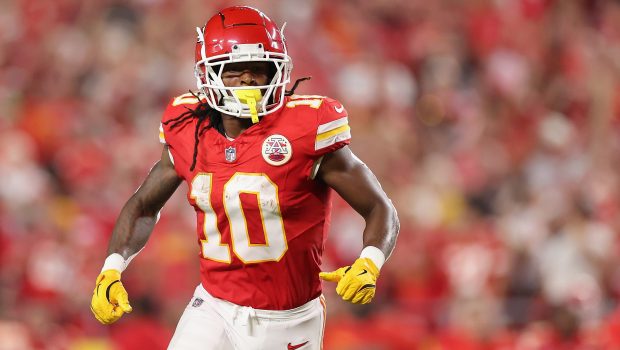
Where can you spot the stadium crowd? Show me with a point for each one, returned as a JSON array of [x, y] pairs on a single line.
[[493, 125]]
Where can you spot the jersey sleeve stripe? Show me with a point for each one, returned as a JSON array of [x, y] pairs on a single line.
[[342, 136], [162, 138], [336, 131], [332, 125]]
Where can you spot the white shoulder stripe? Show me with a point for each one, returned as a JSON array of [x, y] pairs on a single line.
[[332, 125], [343, 136], [162, 138]]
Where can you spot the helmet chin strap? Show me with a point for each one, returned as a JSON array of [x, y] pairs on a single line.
[[249, 97]]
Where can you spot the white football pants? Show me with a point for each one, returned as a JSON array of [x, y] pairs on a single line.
[[209, 323]]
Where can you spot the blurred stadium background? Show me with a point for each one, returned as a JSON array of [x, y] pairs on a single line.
[[493, 125]]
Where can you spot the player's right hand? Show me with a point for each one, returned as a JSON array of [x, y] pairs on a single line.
[[110, 300]]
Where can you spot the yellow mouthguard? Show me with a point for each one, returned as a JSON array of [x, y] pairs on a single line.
[[249, 97]]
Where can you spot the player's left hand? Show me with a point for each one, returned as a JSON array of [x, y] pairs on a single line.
[[356, 283], [110, 300]]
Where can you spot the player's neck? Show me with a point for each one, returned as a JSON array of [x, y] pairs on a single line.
[[233, 126]]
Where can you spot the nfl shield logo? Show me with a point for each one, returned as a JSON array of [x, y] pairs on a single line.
[[231, 154]]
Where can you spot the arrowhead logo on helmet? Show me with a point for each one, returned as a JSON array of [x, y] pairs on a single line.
[[241, 34]]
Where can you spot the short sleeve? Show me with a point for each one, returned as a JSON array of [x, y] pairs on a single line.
[[175, 108], [333, 131], [176, 130]]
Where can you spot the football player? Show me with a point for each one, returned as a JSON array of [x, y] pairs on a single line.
[[260, 163]]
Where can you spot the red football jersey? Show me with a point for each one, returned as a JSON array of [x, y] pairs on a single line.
[[262, 219]]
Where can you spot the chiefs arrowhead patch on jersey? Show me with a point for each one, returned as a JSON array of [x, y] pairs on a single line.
[[277, 150]]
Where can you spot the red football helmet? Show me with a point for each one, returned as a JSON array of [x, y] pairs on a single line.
[[241, 34]]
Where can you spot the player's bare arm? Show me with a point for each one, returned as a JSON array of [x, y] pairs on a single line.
[[359, 187], [133, 228], [139, 215]]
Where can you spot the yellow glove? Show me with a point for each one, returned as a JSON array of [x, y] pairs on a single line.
[[110, 299], [356, 283]]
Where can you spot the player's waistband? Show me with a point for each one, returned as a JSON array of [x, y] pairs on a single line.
[[300, 311]]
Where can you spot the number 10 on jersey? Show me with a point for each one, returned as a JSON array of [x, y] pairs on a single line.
[[269, 206]]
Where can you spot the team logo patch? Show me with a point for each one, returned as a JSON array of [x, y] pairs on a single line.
[[277, 150], [231, 154], [197, 302]]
